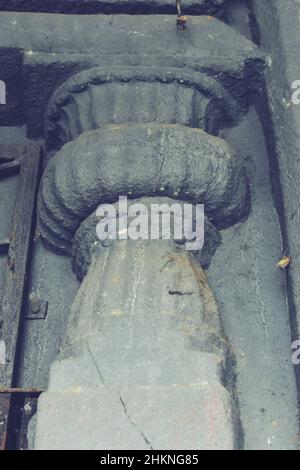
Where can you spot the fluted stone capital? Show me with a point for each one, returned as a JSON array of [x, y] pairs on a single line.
[[122, 95]]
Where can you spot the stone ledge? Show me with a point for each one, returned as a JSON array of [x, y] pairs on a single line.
[[196, 7], [52, 50]]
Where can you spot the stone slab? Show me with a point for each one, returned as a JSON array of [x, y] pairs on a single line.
[[173, 418], [123, 34]]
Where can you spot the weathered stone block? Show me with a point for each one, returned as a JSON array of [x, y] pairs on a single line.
[[194, 416]]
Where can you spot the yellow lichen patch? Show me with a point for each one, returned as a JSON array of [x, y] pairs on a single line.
[[284, 262], [74, 390], [117, 313]]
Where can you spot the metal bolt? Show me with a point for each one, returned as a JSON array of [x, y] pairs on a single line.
[[35, 303]]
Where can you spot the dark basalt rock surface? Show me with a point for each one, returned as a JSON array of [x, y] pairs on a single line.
[[86, 243], [140, 160]]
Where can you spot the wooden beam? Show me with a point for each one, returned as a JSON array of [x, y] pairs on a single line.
[[18, 258]]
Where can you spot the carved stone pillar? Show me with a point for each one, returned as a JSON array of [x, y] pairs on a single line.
[[145, 364]]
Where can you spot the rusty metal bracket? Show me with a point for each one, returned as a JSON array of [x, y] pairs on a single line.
[[5, 405], [17, 407], [28, 411], [18, 259], [37, 308]]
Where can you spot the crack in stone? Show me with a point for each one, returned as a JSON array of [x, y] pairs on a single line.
[[96, 366], [165, 265], [120, 398], [160, 169], [134, 425]]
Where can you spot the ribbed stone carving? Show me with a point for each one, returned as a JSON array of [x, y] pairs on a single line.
[[140, 160], [97, 97]]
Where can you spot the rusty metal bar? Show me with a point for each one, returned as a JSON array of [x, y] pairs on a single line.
[[21, 238], [17, 247], [17, 406], [28, 411], [24, 391], [5, 405]]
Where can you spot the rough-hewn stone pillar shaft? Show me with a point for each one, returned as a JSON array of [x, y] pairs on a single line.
[[145, 363]]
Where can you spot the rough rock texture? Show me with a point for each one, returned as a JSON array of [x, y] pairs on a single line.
[[137, 276], [53, 51], [140, 160], [86, 242], [145, 351]]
